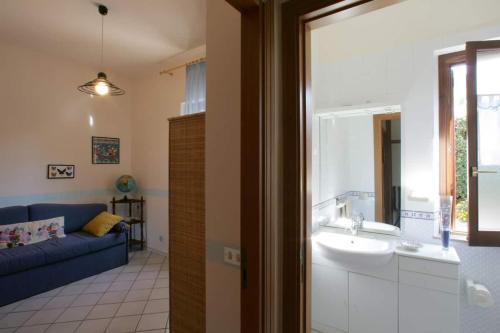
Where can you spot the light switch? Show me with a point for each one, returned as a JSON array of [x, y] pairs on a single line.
[[232, 256]]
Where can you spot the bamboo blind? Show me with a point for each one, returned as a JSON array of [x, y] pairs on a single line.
[[187, 224]]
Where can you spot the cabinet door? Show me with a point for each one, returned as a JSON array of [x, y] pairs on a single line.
[[329, 299], [425, 310], [372, 305]]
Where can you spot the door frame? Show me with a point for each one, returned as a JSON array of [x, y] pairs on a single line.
[[378, 159], [260, 271], [275, 179], [297, 18]]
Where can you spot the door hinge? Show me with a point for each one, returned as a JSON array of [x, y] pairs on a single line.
[[244, 269], [302, 266]]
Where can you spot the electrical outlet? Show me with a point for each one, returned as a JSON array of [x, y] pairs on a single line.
[[232, 256], [160, 238]]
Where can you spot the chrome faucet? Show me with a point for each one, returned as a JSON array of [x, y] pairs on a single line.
[[357, 223]]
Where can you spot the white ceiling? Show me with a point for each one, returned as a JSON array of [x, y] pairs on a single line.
[[137, 33]]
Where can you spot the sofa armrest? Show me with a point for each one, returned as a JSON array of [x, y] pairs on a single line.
[[120, 227]]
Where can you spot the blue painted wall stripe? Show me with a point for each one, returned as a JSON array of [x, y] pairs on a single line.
[[27, 199]]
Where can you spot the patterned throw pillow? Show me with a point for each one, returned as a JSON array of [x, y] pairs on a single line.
[[21, 234]]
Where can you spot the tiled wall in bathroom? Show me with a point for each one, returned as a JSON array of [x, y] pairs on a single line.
[[480, 264], [362, 202]]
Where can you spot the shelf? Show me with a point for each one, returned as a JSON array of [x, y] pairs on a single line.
[[135, 221], [128, 201]]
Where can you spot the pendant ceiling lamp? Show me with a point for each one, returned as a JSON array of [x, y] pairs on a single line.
[[101, 86]]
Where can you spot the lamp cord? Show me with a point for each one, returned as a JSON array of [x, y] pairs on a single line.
[[102, 41]]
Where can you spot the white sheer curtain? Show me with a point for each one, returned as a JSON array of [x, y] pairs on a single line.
[[195, 88]]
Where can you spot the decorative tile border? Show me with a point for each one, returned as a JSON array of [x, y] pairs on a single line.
[[328, 202], [419, 215]]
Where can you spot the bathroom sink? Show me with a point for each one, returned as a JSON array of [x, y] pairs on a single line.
[[368, 226], [381, 228], [354, 250]]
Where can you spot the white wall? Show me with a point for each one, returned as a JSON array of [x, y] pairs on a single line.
[[345, 160], [157, 98], [393, 61], [44, 120], [222, 165]]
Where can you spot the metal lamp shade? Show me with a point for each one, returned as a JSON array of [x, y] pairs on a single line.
[[90, 87]]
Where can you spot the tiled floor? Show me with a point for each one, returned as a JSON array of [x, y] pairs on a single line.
[[131, 298]]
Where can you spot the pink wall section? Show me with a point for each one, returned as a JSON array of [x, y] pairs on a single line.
[[44, 120], [223, 165], [156, 98]]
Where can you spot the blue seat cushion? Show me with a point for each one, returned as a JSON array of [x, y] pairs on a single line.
[[55, 250], [20, 259], [60, 249], [100, 243], [75, 215], [14, 214]]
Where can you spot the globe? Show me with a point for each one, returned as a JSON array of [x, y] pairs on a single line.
[[125, 184]]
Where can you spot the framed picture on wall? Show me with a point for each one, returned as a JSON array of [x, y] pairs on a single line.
[[105, 150], [60, 171]]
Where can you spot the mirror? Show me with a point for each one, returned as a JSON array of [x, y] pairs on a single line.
[[357, 164]]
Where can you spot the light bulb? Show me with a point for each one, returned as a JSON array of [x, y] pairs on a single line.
[[102, 89]]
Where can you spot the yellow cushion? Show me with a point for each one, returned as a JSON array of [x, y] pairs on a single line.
[[102, 224]]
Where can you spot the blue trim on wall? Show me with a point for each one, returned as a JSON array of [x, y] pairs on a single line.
[[154, 192], [27, 199]]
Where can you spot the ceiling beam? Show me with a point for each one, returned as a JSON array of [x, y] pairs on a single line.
[[242, 5]]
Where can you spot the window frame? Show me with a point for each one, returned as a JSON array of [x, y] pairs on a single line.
[[476, 237], [447, 161]]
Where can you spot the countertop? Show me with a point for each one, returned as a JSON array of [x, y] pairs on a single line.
[[431, 252]]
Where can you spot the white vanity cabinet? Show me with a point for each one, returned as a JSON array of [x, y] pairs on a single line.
[[329, 299], [412, 292], [428, 296], [373, 305], [348, 302]]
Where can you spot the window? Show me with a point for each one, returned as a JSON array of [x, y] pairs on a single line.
[[195, 88], [469, 118], [453, 136]]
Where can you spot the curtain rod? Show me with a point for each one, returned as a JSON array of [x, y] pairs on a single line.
[[169, 71]]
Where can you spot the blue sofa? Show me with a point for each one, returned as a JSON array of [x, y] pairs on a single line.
[[32, 269]]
